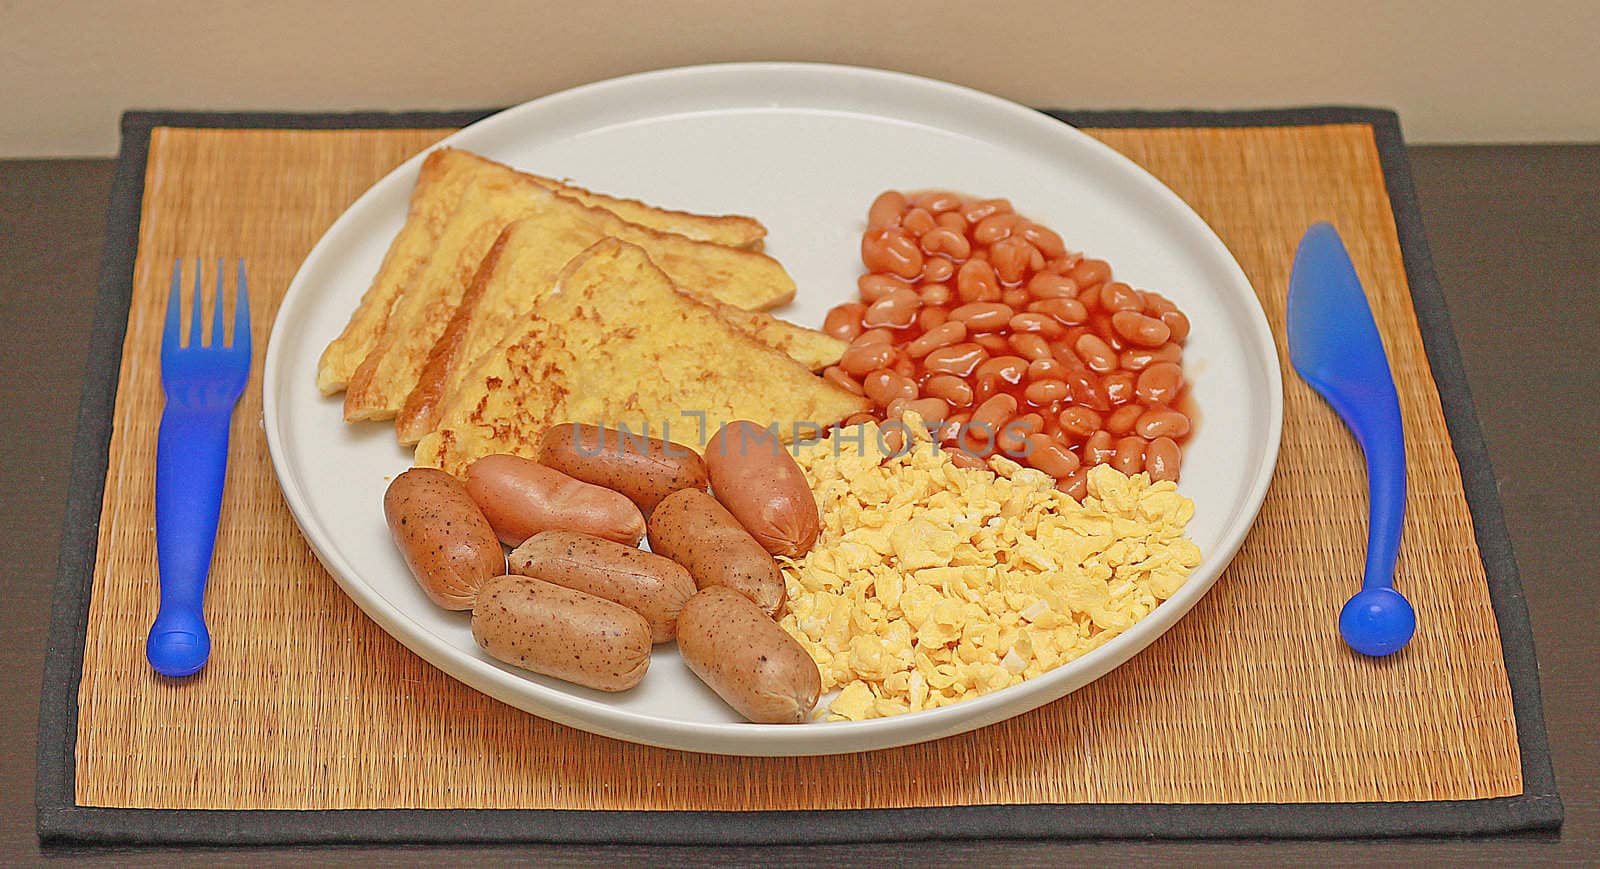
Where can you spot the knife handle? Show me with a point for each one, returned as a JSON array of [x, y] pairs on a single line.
[[1371, 409]]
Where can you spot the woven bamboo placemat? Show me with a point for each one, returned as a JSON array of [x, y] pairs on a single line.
[[1250, 700]]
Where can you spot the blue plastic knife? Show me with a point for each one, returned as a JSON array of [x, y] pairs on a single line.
[[1334, 345]]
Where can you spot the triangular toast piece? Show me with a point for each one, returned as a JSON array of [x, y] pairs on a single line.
[[615, 343], [518, 271], [489, 201], [444, 174]]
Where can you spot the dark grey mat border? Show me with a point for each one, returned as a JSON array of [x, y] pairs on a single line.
[[61, 821]]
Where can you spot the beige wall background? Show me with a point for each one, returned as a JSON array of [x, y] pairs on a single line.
[[1457, 70]]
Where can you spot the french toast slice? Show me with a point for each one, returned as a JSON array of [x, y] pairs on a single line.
[[615, 343], [517, 272], [444, 174], [492, 199]]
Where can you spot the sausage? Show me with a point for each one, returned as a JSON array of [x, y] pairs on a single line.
[[645, 469], [747, 659], [445, 539], [753, 475], [521, 497], [560, 632], [651, 585], [691, 528]]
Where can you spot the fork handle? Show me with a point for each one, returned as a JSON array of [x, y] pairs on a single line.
[[191, 464]]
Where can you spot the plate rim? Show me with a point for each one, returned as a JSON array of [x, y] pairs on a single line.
[[743, 738]]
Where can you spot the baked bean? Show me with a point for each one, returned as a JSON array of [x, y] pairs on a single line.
[[1047, 454], [1010, 369], [1161, 422], [918, 221], [1048, 285], [1129, 457], [994, 228], [1118, 387], [984, 388], [1099, 448], [950, 432], [1027, 344], [951, 220], [1090, 297], [893, 251], [837, 376], [1014, 297], [982, 316], [886, 210], [1042, 392], [1090, 272], [985, 208], [884, 386], [1046, 240], [1162, 459], [931, 409], [1121, 420], [859, 358], [1139, 329], [937, 270], [1085, 387], [1046, 369], [993, 342], [957, 359], [976, 282], [894, 311], [1178, 323], [1080, 421], [1011, 257], [950, 388], [857, 419], [1159, 383], [875, 336], [844, 321], [1036, 322], [903, 366], [1076, 485], [1095, 353], [875, 287], [993, 414], [937, 201], [1142, 358], [944, 335], [1156, 304], [1064, 264], [964, 459], [1118, 296], [931, 318], [935, 294], [950, 242], [1013, 439], [1068, 311]]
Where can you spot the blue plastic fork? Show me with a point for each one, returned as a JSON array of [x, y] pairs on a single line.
[[203, 383]]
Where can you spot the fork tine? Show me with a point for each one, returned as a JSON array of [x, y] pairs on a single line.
[[171, 335], [195, 319], [216, 309], [241, 310]]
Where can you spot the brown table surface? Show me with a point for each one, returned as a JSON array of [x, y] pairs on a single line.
[[1515, 233]]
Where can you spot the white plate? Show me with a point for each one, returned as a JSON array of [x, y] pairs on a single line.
[[804, 148]]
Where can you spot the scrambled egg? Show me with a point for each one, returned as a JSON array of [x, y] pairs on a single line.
[[932, 584]]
